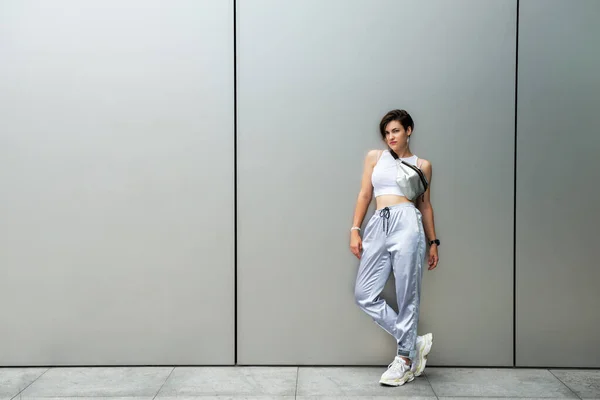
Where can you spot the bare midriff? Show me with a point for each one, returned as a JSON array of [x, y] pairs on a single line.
[[388, 200]]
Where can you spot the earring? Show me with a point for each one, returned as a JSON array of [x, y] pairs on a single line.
[[408, 140]]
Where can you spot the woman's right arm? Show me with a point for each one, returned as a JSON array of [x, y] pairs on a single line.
[[362, 202]]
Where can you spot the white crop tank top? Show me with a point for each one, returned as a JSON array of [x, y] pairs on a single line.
[[384, 174]]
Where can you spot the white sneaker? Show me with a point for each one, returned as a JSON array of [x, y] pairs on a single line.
[[398, 373], [424, 344]]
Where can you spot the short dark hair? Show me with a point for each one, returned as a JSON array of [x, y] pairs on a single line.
[[396, 115]]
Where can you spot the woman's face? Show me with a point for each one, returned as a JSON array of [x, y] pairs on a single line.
[[396, 137]]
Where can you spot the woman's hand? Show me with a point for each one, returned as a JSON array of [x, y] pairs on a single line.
[[355, 243], [433, 257]]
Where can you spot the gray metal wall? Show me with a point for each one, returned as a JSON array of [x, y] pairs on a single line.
[[118, 193], [314, 79], [558, 294], [116, 171]]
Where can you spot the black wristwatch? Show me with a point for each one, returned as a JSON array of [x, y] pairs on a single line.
[[436, 241]]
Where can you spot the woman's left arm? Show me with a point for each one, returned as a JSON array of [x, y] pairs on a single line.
[[424, 205]]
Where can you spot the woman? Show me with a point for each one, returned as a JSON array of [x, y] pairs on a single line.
[[394, 239]]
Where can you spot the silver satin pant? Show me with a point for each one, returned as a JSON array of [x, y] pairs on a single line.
[[393, 240]]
